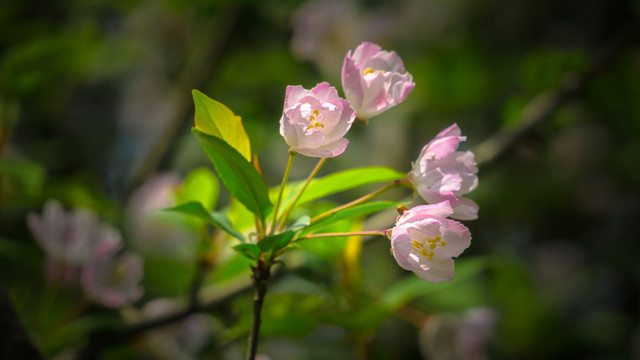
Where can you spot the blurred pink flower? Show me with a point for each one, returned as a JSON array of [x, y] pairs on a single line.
[[442, 173], [151, 231], [458, 336], [314, 122], [425, 242], [374, 80], [110, 278], [66, 239]]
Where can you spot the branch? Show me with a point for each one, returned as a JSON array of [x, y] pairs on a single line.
[[545, 104]]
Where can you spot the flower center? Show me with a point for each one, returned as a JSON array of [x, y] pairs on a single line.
[[427, 250], [314, 123], [369, 70]]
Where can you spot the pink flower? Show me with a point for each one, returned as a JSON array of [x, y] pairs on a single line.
[[425, 242], [110, 278], [314, 122], [374, 80], [442, 173], [66, 239]]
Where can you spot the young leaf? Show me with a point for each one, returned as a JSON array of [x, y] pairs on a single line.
[[276, 242], [199, 185], [350, 213], [237, 174], [251, 251], [215, 119], [218, 219], [348, 179]]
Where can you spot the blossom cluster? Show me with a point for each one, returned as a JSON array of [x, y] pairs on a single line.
[[81, 249], [314, 123]]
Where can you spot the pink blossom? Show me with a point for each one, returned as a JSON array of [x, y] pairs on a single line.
[[66, 239], [110, 278], [459, 336], [425, 241], [443, 173], [314, 122], [374, 80]]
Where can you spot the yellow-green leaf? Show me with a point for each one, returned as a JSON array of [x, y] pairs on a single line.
[[215, 119]]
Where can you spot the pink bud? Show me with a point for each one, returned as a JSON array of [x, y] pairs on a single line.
[[374, 80], [442, 173]]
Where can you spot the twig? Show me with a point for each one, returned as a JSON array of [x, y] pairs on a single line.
[[260, 279], [204, 56], [545, 104]]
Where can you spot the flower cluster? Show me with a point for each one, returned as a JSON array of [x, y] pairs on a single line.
[[314, 123], [79, 248]]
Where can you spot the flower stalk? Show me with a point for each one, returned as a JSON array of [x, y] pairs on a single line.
[[393, 184], [304, 187], [284, 182]]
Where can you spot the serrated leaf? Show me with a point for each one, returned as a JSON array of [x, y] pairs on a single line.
[[348, 179], [216, 119], [350, 213], [237, 174], [251, 251], [218, 219]]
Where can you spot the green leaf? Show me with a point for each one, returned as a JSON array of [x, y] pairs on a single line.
[[348, 179], [218, 219], [272, 244], [238, 175], [350, 213], [215, 119], [411, 286], [251, 251], [200, 185]]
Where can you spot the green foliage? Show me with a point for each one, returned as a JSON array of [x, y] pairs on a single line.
[[200, 185], [215, 119], [237, 174], [347, 214], [250, 251], [218, 219], [346, 180]]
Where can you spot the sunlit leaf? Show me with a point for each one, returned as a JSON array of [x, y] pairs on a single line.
[[215, 119], [350, 213], [200, 185], [218, 219], [349, 179], [237, 174], [412, 286]]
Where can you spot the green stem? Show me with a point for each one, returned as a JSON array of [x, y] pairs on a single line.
[[360, 233], [284, 182], [304, 187], [361, 200]]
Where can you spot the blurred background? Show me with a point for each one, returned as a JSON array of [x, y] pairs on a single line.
[[96, 111]]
